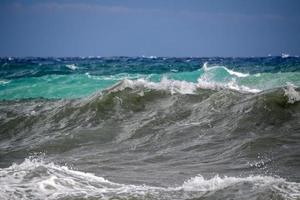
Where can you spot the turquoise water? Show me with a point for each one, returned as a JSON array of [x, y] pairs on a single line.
[[61, 80], [80, 85]]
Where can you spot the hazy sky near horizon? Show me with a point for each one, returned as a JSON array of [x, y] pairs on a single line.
[[156, 27]]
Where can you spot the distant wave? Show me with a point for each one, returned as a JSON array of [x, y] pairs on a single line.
[[285, 55], [72, 66], [3, 82], [238, 74], [80, 85]]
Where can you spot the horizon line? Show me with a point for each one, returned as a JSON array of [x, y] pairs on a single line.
[[148, 57]]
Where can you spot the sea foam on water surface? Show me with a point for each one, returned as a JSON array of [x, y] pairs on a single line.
[[189, 130], [174, 86], [291, 93], [3, 82], [205, 81], [34, 178], [214, 77], [72, 66], [238, 74]]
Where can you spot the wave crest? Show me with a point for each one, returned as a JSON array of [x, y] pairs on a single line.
[[214, 78]]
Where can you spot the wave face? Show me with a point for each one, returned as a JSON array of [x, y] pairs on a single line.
[[215, 132]]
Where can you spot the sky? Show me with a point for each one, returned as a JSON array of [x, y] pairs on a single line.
[[180, 28]]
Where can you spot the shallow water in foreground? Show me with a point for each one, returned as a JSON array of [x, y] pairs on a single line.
[[219, 132]]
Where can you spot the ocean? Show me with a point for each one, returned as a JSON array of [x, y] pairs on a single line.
[[150, 128]]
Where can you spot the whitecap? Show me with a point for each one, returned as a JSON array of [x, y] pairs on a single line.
[[289, 190], [231, 72], [205, 81], [199, 183], [238, 74], [181, 87], [257, 75], [207, 84], [184, 87], [291, 93], [174, 86], [72, 67], [4, 82], [285, 55]]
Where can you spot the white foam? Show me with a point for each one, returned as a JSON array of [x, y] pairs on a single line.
[[205, 67], [232, 85], [53, 181], [199, 183], [257, 75], [174, 86], [205, 81], [238, 74], [231, 72], [72, 67], [151, 57], [285, 55], [117, 77], [37, 179], [291, 93], [181, 87], [3, 82], [289, 190], [184, 87]]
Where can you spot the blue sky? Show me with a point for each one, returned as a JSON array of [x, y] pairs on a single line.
[[156, 27]]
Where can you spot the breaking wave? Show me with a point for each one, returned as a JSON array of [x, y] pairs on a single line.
[[207, 77], [149, 128], [36, 179]]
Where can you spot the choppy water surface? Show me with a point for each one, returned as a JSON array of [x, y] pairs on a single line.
[[150, 128]]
